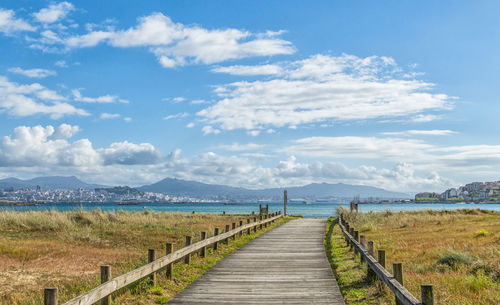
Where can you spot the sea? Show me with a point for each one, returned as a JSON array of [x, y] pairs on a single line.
[[308, 210]]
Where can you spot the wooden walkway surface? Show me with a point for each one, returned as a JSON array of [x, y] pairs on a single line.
[[286, 265]]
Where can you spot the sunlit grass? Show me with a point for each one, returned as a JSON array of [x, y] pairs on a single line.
[[457, 251], [65, 250]]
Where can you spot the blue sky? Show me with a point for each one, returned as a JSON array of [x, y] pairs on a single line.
[[395, 94]]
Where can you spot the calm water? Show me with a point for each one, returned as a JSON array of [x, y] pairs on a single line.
[[323, 209]]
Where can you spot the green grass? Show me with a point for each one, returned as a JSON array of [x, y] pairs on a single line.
[[351, 276]]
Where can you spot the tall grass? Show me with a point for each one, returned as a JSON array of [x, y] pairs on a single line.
[[458, 251]]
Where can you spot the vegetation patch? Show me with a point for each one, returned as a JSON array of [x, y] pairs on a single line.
[[454, 259], [65, 250], [445, 248]]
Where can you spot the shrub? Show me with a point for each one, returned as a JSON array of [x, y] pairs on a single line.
[[481, 233], [454, 259]]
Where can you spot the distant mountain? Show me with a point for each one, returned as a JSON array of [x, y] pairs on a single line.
[[51, 182], [179, 187]]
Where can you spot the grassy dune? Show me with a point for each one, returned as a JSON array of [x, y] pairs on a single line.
[[65, 250], [456, 251]]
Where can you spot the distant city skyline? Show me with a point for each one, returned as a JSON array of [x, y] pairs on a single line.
[[401, 96]]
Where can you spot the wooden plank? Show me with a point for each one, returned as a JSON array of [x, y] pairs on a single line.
[[286, 265], [126, 279]]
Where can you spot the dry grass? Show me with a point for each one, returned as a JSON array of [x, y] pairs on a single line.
[[456, 251], [65, 250]]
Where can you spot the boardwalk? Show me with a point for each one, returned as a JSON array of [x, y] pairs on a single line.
[[287, 265]]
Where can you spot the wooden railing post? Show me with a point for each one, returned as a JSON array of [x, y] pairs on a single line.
[[105, 276], [50, 296], [285, 212], [223, 213], [216, 232], [151, 258], [188, 243], [248, 230], [362, 241], [169, 248], [427, 295], [397, 269], [260, 218], [203, 250], [255, 227], [226, 241], [234, 227], [381, 257], [356, 238], [241, 224], [371, 274]]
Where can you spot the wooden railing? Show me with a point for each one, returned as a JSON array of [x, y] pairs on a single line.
[[108, 286], [377, 268]]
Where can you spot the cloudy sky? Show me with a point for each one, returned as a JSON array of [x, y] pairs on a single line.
[[400, 95]]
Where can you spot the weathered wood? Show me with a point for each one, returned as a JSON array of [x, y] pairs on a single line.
[[362, 241], [169, 248], [203, 249], [370, 273], [381, 257], [151, 258], [187, 257], [271, 269], [248, 230], [234, 227], [50, 296], [255, 227], [285, 199], [427, 294], [126, 279], [105, 276], [399, 290], [216, 232], [226, 241], [241, 224], [397, 271]]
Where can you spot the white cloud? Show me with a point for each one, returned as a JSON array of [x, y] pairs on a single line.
[[105, 116], [454, 161], [130, 154], [241, 147], [424, 118], [101, 99], [26, 100], [242, 171], [10, 24], [176, 44], [127, 119], [253, 133], [321, 89], [49, 146], [33, 73], [54, 12], [61, 64], [209, 130], [434, 132], [175, 99], [176, 116], [190, 125], [65, 131], [250, 70]]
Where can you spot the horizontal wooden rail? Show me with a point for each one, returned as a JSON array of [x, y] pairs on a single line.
[[402, 294], [126, 279]]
